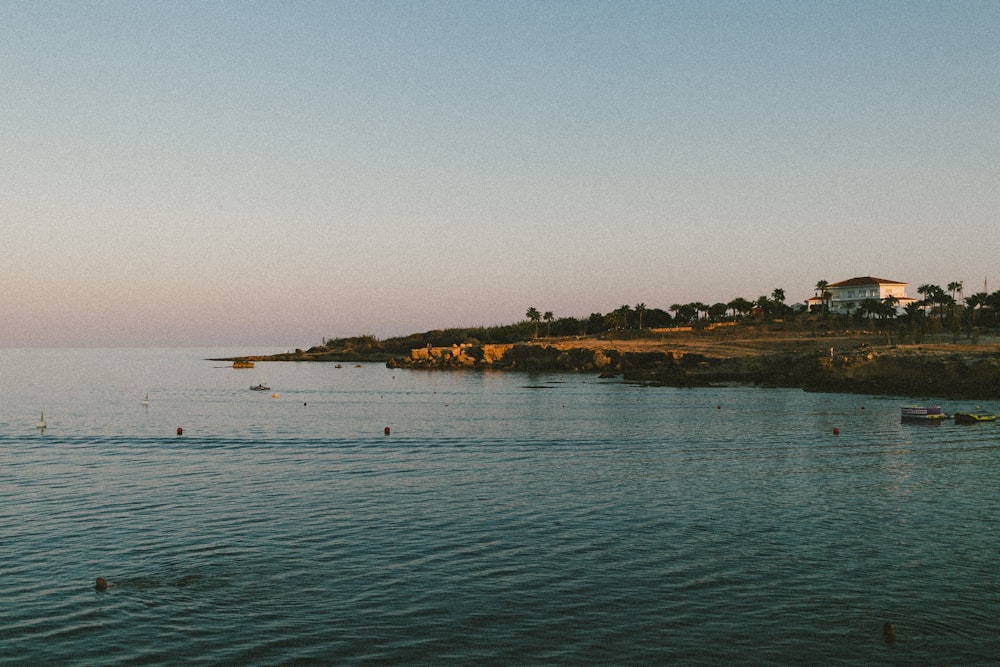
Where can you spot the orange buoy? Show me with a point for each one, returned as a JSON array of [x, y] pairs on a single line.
[[836, 431], [386, 430], [180, 431]]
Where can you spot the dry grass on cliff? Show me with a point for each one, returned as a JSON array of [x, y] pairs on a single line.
[[752, 341]]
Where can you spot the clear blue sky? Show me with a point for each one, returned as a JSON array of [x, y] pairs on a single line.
[[237, 173]]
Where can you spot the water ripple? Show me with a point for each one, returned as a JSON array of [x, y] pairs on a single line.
[[587, 524]]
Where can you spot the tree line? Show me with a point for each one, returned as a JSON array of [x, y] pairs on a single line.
[[938, 310]]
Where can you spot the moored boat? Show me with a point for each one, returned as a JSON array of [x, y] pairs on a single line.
[[242, 363], [923, 412], [260, 387], [974, 416]]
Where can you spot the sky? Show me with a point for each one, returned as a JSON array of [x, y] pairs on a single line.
[[276, 173]]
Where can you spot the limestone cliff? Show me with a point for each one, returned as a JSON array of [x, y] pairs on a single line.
[[857, 370]]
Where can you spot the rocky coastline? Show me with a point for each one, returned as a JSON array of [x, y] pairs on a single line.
[[848, 362], [862, 368]]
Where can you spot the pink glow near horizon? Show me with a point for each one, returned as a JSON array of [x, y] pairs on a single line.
[[216, 175]]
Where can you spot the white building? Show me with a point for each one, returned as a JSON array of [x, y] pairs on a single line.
[[847, 295]]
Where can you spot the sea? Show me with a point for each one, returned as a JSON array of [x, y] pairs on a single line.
[[354, 514]]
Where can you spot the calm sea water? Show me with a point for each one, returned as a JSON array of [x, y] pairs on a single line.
[[507, 519]]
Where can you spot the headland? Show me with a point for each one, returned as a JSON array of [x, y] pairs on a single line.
[[864, 362]]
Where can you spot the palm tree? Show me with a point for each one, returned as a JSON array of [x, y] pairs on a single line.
[[889, 304], [926, 290], [975, 303], [741, 306], [934, 295], [954, 288], [868, 307], [535, 317], [548, 317], [625, 310], [614, 321], [778, 298], [684, 312], [823, 294], [764, 304], [914, 315], [993, 303], [640, 308]]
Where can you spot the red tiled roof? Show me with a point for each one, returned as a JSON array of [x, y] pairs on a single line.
[[867, 280]]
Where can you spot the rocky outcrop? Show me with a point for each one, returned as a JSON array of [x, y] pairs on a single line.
[[527, 357], [892, 373], [858, 370], [509, 357]]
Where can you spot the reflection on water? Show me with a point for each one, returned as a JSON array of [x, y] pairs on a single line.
[[586, 522]]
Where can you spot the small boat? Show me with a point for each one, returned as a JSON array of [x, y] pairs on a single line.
[[974, 416], [40, 424], [242, 363], [145, 401], [923, 412], [260, 387]]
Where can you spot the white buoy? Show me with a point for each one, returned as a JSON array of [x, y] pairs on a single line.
[[145, 401], [41, 422]]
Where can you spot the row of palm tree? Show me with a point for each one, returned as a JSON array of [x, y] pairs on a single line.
[[535, 317], [640, 316], [980, 311], [936, 301]]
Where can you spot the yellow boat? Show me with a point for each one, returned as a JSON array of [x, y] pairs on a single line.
[[977, 415], [242, 363]]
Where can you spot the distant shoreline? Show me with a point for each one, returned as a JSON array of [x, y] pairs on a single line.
[[843, 362]]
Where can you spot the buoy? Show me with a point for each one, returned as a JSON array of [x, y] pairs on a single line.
[[41, 422], [836, 431], [101, 584], [718, 407], [274, 396], [180, 431], [386, 430]]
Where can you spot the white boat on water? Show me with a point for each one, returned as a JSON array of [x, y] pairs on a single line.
[[924, 412]]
